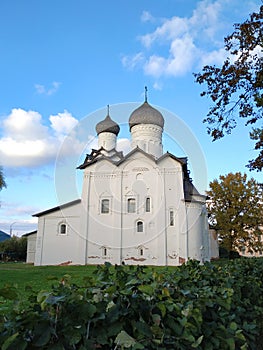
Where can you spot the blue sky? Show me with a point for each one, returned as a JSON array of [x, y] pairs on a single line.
[[63, 61]]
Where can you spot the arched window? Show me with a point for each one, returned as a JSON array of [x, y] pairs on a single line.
[[105, 206], [171, 217], [141, 251], [148, 204], [104, 251], [139, 226], [63, 229], [131, 205]]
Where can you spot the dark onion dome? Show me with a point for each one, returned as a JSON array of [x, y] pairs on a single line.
[[107, 125], [146, 114]]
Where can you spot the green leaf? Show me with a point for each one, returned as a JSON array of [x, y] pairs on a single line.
[[14, 343], [43, 338], [231, 343], [162, 308], [233, 326], [123, 339], [147, 289], [156, 319], [197, 342], [143, 328], [42, 295]]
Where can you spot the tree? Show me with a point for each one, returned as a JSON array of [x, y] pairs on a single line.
[[236, 211], [14, 248], [238, 85], [2, 179]]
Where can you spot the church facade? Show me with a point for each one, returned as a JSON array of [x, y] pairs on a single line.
[[141, 208]]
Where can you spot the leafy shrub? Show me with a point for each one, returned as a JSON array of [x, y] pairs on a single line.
[[134, 307]]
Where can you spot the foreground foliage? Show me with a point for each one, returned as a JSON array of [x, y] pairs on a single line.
[[135, 307]]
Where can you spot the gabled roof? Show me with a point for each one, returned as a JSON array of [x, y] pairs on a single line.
[[97, 155], [29, 233], [133, 151], [182, 160], [63, 206]]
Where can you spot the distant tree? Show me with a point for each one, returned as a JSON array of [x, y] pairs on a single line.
[[236, 211], [14, 248], [238, 85], [2, 179]]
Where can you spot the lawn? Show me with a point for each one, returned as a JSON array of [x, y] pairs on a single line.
[[24, 276]]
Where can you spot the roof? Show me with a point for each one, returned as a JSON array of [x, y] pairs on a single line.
[[146, 114], [96, 155], [91, 159], [29, 233], [4, 236], [107, 125], [63, 206]]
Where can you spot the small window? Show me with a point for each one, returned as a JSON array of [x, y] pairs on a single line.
[[131, 205], [148, 205], [141, 251], [104, 251], [105, 206], [171, 218], [63, 229], [139, 226]]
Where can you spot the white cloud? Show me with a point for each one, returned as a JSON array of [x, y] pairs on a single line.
[[130, 62], [169, 30], [155, 66], [63, 123], [42, 90], [27, 142], [180, 60], [158, 86], [181, 45], [147, 17], [123, 145]]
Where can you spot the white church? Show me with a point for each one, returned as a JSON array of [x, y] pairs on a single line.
[[141, 208]]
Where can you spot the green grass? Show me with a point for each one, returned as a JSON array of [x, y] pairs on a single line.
[[23, 276]]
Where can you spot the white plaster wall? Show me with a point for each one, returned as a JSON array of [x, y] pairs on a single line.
[[147, 137], [137, 177], [107, 140], [197, 232], [31, 248], [53, 248]]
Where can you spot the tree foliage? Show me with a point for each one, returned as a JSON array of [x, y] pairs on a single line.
[[237, 86], [13, 249], [236, 211], [2, 179]]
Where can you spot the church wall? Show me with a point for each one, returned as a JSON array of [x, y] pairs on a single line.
[[31, 248], [197, 231], [101, 229], [58, 244], [113, 236]]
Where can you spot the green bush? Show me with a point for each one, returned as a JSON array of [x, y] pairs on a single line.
[[133, 307]]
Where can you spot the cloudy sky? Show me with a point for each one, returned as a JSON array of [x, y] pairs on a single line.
[[63, 61]]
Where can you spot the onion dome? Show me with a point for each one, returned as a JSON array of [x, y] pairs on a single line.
[[146, 114], [107, 125]]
